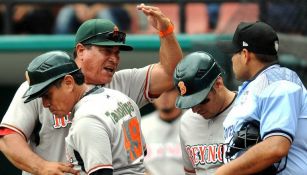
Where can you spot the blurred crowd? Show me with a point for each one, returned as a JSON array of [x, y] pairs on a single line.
[[284, 16]]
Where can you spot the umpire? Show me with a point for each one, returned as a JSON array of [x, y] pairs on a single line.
[[271, 96]]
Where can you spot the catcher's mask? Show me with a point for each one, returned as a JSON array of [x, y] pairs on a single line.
[[242, 140]]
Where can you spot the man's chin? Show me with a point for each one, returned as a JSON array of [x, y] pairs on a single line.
[[106, 78]]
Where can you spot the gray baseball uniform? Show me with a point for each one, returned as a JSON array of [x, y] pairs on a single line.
[[163, 145], [202, 142], [105, 133], [42, 129]]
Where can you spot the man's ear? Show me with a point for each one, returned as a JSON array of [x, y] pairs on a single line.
[[80, 48], [245, 56], [218, 83], [68, 81]]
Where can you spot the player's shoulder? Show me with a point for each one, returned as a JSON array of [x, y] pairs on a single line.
[[125, 73], [275, 77], [109, 99], [23, 88], [115, 94], [282, 88], [189, 118], [18, 97], [25, 85], [104, 96], [188, 114]]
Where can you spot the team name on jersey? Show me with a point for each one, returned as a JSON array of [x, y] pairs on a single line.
[[121, 111], [205, 154], [163, 150], [61, 122]]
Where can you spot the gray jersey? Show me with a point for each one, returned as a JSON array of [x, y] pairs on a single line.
[[163, 146], [105, 133], [42, 129], [202, 142]]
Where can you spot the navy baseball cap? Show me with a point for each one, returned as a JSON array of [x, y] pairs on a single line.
[[257, 37], [101, 32], [194, 77], [46, 69]]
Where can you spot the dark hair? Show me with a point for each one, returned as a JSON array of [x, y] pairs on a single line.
[[266, 58], [77, 76]]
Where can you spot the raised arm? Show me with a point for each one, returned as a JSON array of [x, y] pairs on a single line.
[[170, 51], [16, 149]]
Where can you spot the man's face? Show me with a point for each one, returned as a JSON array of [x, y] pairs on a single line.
[[59, 100], [210, 106], [99, 63]]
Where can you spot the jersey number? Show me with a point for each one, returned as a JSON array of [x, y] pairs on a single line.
[[133, 142]]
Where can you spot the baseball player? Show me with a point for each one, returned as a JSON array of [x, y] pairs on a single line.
[[198, 78], [272, 100], [161, 132], [97, 47], [105, 136]]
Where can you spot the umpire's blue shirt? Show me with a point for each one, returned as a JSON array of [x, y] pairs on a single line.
[[277, 99]]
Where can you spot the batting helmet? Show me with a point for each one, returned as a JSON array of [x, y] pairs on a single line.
[[45, 69], [194, 77]]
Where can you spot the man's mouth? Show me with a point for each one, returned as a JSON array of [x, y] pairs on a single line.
[[109, 69]]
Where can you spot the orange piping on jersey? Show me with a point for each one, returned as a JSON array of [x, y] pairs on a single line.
[[189, 171], [147, 77], [99, 167], [146, 82], [148, 95], [14, 129], [6, 131]]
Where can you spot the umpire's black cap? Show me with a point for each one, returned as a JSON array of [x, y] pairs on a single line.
[[45, 69], [257, 37], [194, 77]]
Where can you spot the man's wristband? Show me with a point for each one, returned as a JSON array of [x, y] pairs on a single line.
[[169, 30]]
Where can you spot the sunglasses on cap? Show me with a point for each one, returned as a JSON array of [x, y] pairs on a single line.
[[115, 36]]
